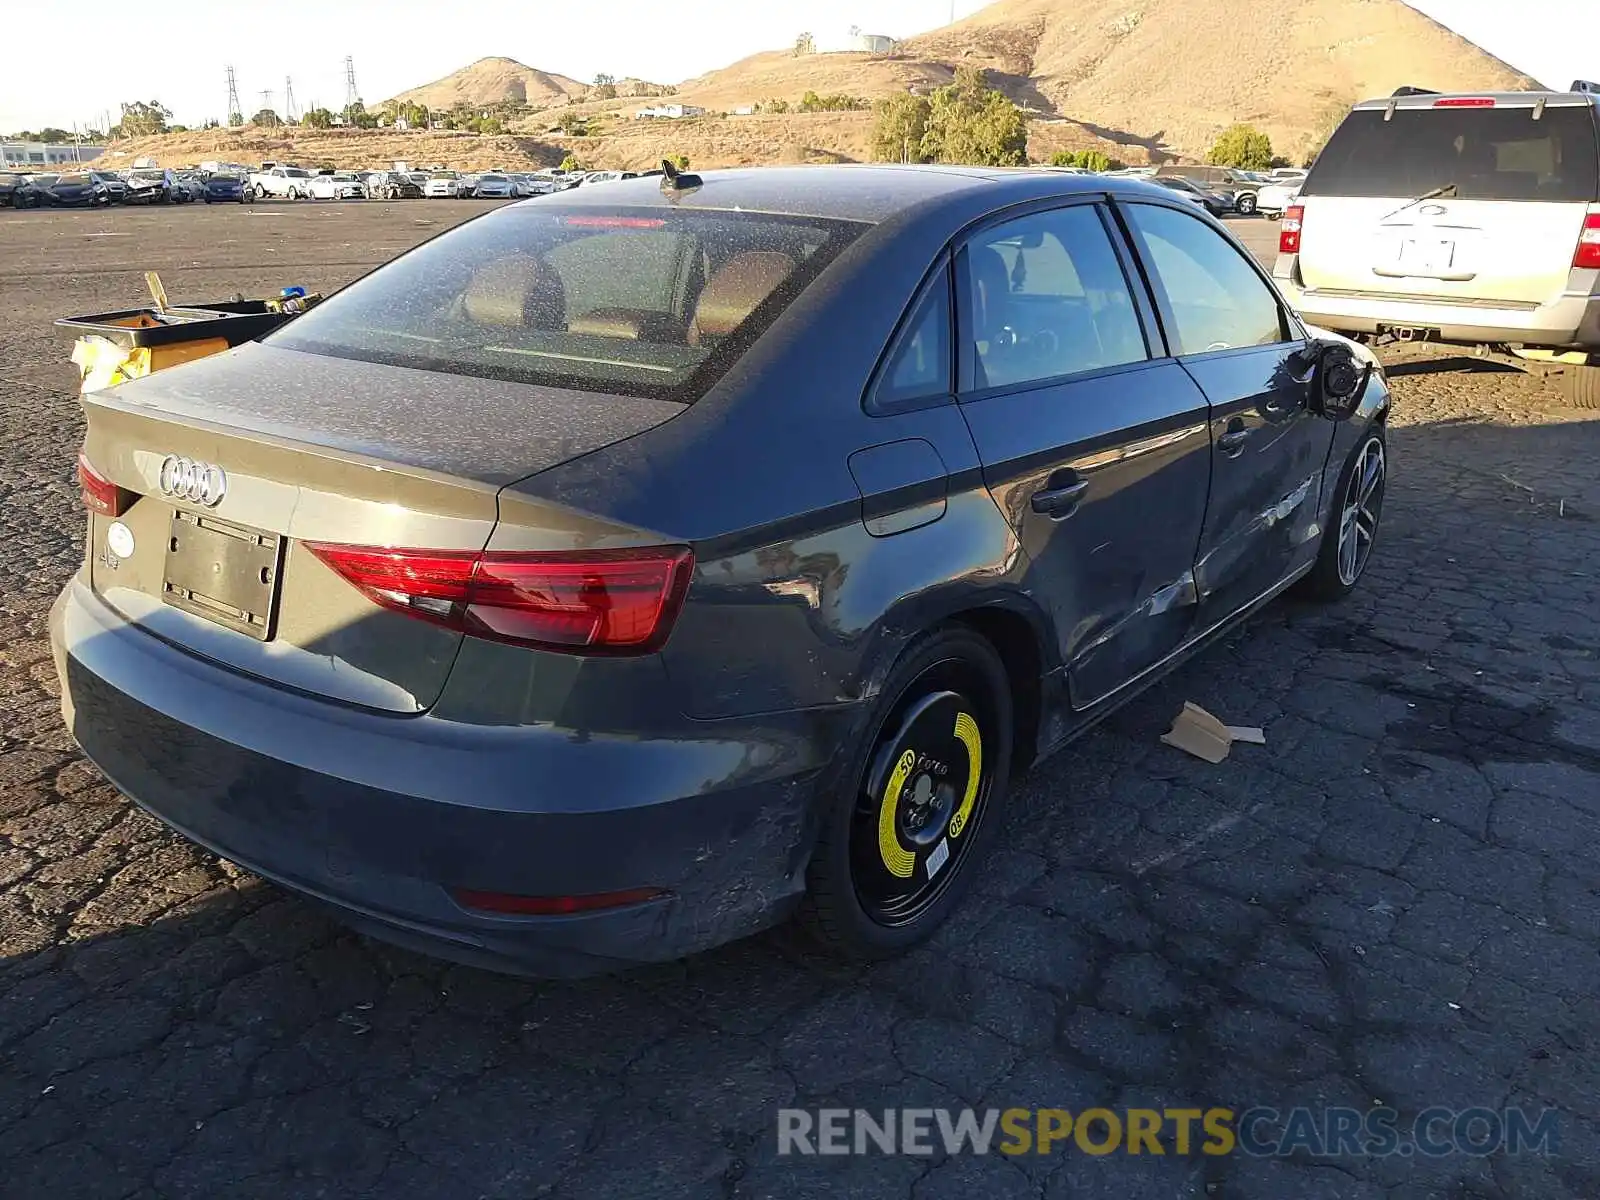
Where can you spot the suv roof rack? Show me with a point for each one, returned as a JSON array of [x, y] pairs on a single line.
[[1408, 90], [1585, 85]]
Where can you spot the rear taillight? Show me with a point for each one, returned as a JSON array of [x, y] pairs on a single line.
[[100, 495], [1588, 255], [579, 602], [1289, 229]]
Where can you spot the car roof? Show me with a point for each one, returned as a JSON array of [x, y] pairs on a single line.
[[1501, 99], [867, 193]]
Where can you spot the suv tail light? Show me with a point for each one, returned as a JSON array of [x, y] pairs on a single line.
[[578, 602], [1588, 255], [1289, 229], [1465, 102], [99, 494]]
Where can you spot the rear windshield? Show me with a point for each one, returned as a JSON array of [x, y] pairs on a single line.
[[1485, 153], [642, 302]]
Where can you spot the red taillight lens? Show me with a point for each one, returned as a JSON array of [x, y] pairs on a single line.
[[1588, 255], [100, 495], [552, 906], [581, 602], [1465, 102], [1289, 229]]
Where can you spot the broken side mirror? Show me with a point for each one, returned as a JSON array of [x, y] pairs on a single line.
[[1338, 379]]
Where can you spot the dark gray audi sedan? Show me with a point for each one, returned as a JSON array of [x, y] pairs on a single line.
[[619, 574]]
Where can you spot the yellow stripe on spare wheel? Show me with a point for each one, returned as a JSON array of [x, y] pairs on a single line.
[[900, 861], [967, 734]]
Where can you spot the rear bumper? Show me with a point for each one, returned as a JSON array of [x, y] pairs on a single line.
[[1570, 322], [382, 817]]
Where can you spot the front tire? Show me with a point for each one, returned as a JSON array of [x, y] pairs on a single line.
[[1246, 205], [913, 812], [1352, 531]]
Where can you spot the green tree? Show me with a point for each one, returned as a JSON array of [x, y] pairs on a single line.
[[900, 124], [51, 134], [317, 118], [235, 119], [1242, 146], [357, 116], [774, 106], [414, 114], [140, 119], [266, 118], [805, 44], [569, 163], [605, 87], [681, 161], [970, 122], [572, 124], [1088, 160]]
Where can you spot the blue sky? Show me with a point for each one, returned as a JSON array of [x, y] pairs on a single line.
[[175, 50]]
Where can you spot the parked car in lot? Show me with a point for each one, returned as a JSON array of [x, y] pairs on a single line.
[[223, 187], [71, 191], [281, 182], [494, 186], [17, 192], [442, 185], [392, 185], [193, 184], [566, 670], [1275, 197], [116, 186], [154, 185], [1472, 219], [1239, 186], [1214, 202], [338, 185]]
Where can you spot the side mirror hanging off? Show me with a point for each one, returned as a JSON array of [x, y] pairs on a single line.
[[1338, 380]]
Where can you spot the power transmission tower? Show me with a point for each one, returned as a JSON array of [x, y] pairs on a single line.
[[266, 99], [352, 96], [233, 97], [288, 100]]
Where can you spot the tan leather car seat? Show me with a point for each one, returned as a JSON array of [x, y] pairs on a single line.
[[736, 290], [517, 292]]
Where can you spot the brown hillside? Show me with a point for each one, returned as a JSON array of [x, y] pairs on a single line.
[[1171, 74], [494, 81]]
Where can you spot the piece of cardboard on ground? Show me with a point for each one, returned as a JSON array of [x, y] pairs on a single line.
[[1197, 732]]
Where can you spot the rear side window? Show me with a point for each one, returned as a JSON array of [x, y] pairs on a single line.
[[1216, 299], [644, 302], [1484, 153], [920, 366], [1047, 297]]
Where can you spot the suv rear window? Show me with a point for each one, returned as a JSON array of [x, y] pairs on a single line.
[[1486, 153], [645, 302]]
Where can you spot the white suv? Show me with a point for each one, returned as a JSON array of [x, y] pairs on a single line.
[[1469, 219]]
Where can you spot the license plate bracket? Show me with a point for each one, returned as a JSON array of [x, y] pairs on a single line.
[[223, 572]]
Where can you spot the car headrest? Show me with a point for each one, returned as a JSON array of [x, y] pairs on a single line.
[[736, 290], [609, 322], [991, 285], [519, 292]]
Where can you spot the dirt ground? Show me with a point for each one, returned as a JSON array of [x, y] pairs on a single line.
[[1395, 902]]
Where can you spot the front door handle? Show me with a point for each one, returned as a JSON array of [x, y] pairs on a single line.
[[1232, 442], [1059, 503]]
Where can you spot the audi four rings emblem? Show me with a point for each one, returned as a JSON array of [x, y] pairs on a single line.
[[189, 479]]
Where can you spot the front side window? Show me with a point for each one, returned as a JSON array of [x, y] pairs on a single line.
[[642, 301], [1047, 297], [1216, 299]]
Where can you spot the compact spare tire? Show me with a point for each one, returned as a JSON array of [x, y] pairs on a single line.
[[917, 801]]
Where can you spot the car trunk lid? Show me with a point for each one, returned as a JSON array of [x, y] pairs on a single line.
[[314, 449]]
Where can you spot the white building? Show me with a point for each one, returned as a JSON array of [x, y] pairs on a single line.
[[853, 41], [37, 156], [670, 112]]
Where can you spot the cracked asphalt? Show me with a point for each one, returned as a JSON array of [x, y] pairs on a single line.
[[1395, 901]]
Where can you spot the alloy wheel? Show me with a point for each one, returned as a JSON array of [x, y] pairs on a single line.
[[1361, 507]]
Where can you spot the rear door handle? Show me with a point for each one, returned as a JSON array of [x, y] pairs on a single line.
[[1061, 502]]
